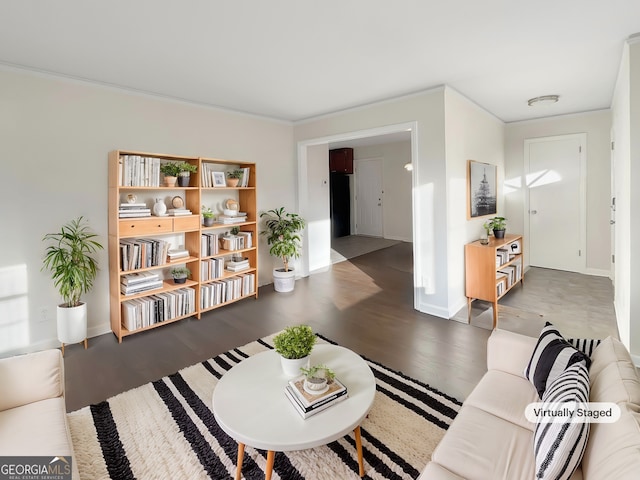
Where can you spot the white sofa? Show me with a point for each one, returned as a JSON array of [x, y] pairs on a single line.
[[492, 439], [33, 417]]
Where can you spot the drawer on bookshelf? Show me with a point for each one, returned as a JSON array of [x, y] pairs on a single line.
[[186, 223], [147, 226]]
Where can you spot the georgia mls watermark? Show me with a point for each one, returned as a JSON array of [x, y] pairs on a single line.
[[35, 468], [573, 412]]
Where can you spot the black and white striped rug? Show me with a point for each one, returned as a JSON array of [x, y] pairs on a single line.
[[166, 430]]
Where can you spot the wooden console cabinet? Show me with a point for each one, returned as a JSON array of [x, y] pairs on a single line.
[[492, 270]]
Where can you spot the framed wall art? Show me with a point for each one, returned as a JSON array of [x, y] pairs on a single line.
[[482, 194], [218, 179]]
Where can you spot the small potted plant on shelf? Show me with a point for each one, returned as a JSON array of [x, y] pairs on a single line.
[[184, 175], [180, 274], [317, 378], [233, 178], [207, 216], [294, 344], [499, 225], [281, 229], [73, 270], [170, 170]]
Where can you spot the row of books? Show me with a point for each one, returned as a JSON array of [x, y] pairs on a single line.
[[143, 253], [226, 290], [179, 212], [308, 404], [133, 210], [512, 273], [139, 171], [140, 282], [211, 269], [143, 312], [236, 242], [209, 244]]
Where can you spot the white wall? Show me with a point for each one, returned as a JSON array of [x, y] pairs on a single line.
[[427, 111], [396, 214], [621, 135], [626, 124], [471, 134], [318, 233], [56, 135], [597, 126]]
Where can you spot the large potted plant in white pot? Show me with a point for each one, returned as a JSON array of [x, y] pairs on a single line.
[[73, 269], [281, 229], [294, 344]]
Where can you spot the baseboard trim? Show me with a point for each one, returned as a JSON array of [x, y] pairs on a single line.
[[434, 310], [596, 272]]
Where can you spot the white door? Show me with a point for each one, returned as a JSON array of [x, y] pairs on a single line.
[[612, 218], [556, 207], [368, 175]]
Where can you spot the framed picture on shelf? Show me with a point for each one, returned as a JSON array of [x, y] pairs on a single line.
[[218, 179], [482, 194]]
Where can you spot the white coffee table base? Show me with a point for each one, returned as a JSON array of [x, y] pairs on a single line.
[[250, 405]]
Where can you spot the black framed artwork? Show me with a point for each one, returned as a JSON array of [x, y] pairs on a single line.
[[482, 193]]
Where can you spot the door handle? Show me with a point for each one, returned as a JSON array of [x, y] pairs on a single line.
[[611, 222], [533, 212]]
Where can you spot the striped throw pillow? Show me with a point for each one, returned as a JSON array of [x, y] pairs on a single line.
[[559, 446], [585, 345], [551, 356]]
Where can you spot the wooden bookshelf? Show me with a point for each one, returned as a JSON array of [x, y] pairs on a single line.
[[179, 231], [485, 267]]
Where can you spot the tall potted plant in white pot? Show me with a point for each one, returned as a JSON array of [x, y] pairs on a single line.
[[281, 229], [73, 269]]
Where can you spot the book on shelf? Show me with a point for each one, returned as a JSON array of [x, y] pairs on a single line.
[[137, 278], [176, 212], [132, 206], [173, 253], [140, 287], [228, 220], [307, 404]]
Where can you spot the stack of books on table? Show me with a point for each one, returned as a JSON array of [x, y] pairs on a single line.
[[177, 254], [139, 282], [237, 265], [133, 210], [179, 212], [307, 404]]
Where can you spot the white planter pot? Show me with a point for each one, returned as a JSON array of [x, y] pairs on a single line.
[[284, 281], [291, 366], [72, 324]]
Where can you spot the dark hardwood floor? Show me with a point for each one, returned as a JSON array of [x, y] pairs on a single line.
[[365, 304]]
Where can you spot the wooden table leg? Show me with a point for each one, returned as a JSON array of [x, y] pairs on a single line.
[[240, 458], [495, 315], [269, 469], [359, 449]]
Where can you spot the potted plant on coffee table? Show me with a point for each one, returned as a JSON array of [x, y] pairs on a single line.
[[294, 344], [73, 269], [281, 229], [317, 378]]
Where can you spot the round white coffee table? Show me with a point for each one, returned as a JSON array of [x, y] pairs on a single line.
[[250, 405]]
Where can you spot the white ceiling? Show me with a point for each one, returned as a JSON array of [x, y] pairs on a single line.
[[297, 59]]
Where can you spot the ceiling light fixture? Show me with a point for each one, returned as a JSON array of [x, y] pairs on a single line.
[[543, 100]]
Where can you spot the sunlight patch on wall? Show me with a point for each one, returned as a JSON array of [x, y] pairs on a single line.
[[14, 308], [543, 177], [512, 185]]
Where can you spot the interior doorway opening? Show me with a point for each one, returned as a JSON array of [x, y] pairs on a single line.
[[397, 194]]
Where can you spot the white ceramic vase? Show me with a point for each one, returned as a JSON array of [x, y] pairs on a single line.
[[291, 366], [284, 281], [72, 324], [159, 208]]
